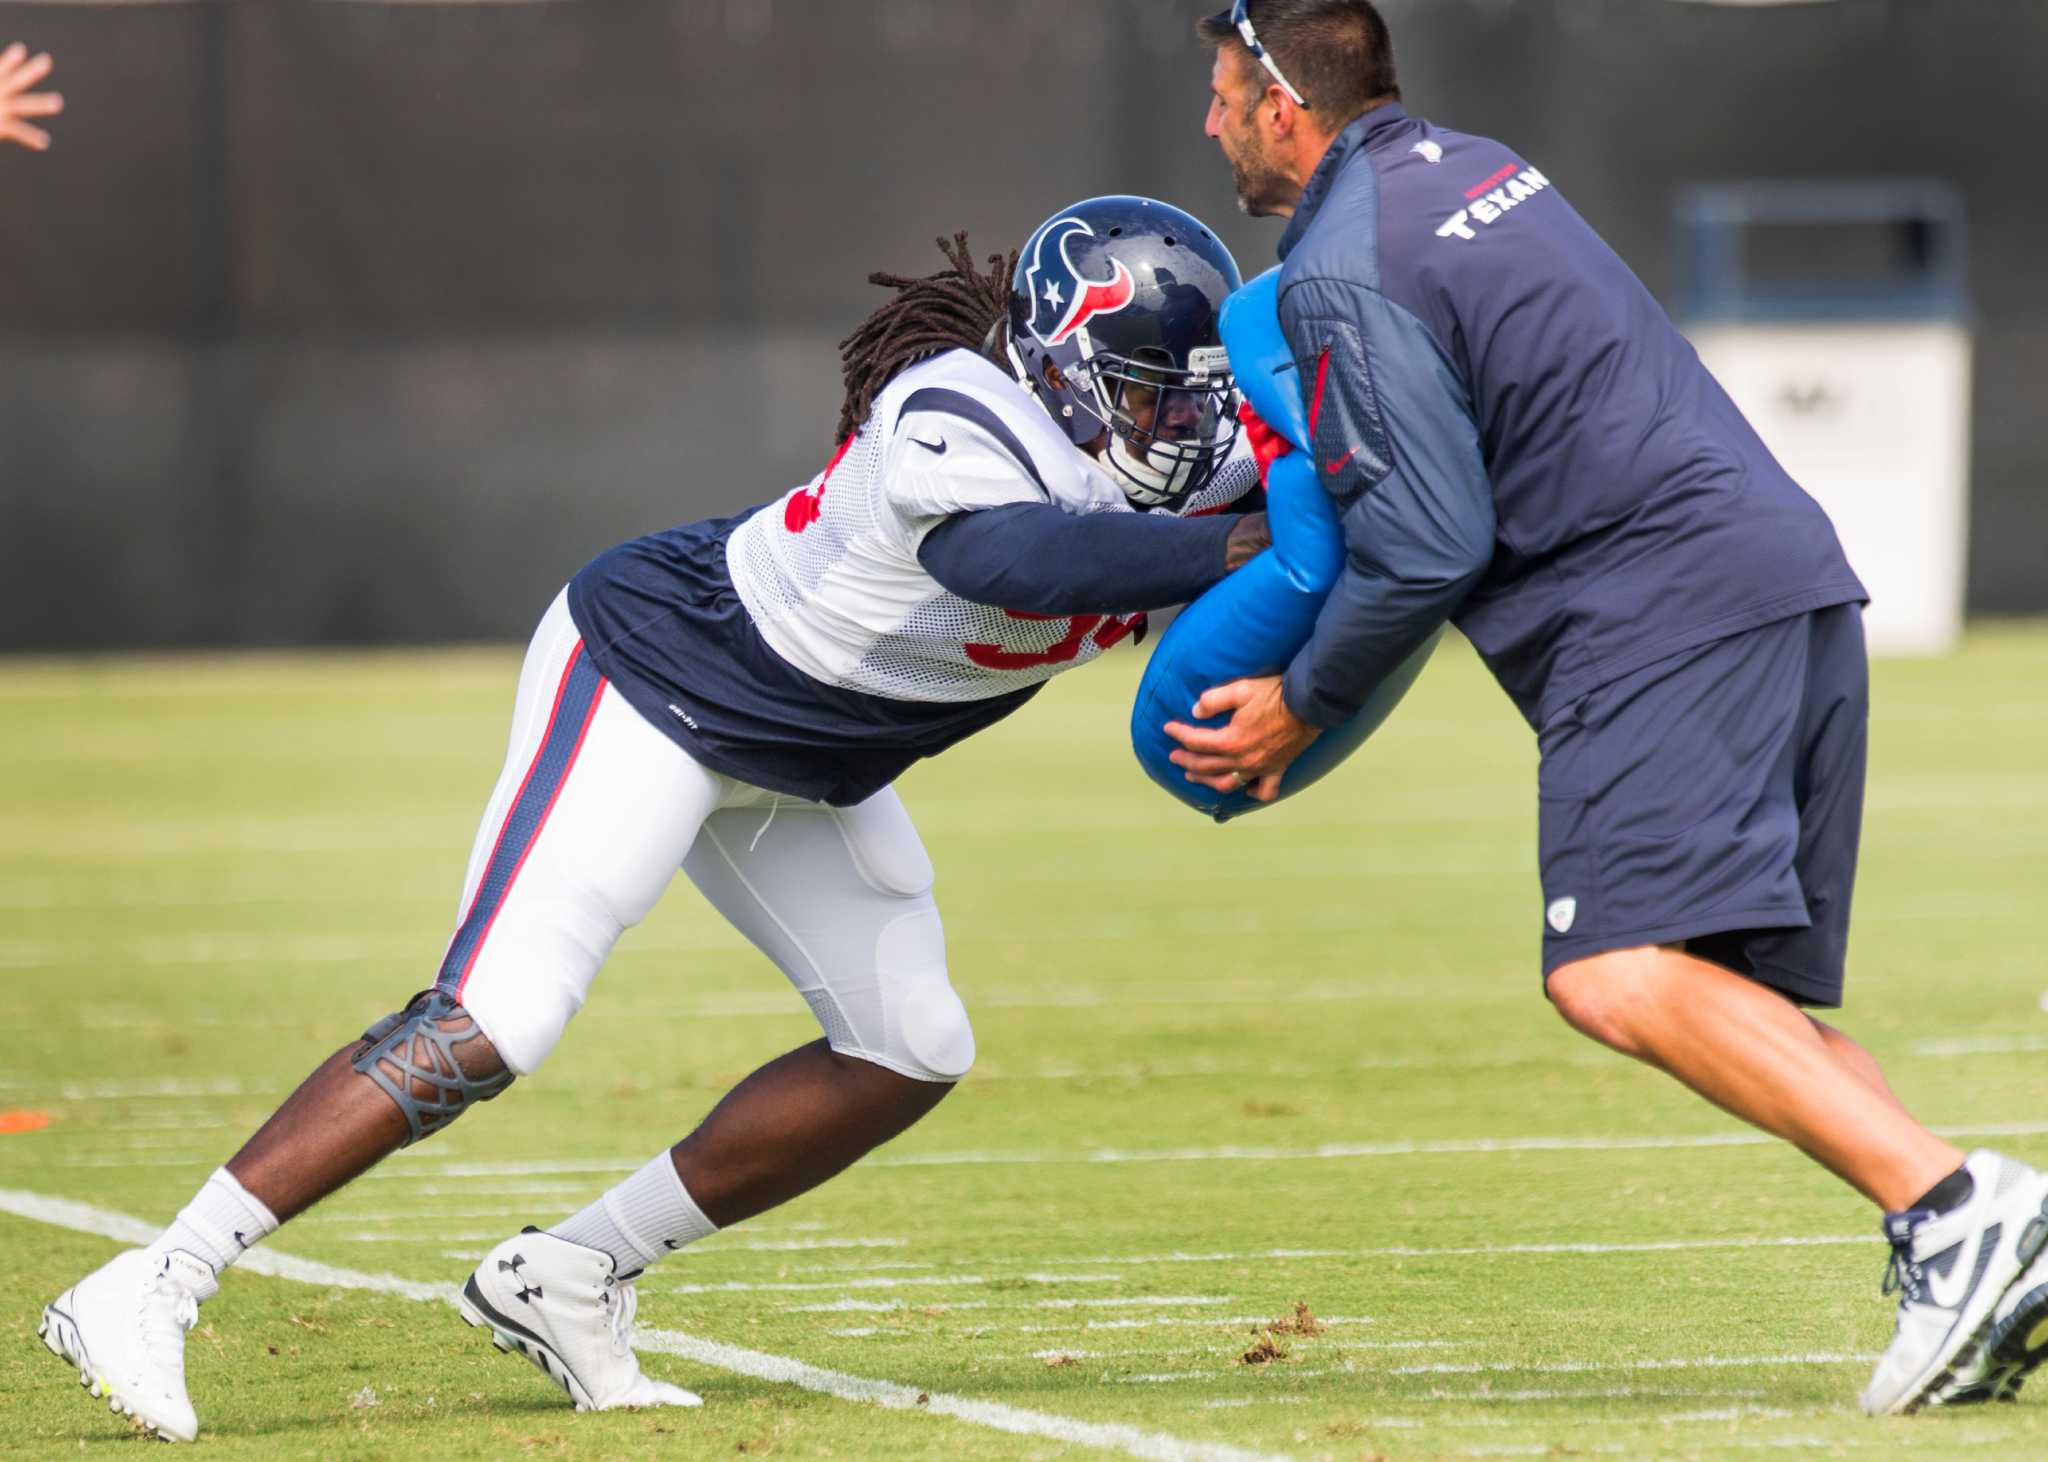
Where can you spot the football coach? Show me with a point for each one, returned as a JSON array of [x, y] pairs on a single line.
[[1518, 440]]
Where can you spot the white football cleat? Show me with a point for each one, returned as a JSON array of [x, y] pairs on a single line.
[[1951, 1270], [561, 1306], [124, 1327]]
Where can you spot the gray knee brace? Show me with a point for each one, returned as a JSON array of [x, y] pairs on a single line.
[[419, 1052]]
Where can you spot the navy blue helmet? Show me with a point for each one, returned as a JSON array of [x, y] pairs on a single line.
[[1113, 328]]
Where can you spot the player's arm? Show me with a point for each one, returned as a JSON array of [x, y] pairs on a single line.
[[18, 72], [1041, 559], [1397, 446], [982, 522]]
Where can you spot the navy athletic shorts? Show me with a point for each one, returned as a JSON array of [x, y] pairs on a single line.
[[1715, 798]]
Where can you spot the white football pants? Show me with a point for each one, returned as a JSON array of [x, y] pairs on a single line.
[[593, 814]]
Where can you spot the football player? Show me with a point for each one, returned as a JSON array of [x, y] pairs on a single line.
[[1028, 461]]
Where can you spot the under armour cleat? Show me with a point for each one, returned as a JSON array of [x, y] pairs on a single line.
[[1950, 1271], [124, 1327], [561, 1306]]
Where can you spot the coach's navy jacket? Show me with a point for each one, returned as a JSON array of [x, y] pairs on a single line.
[[1516, 436]]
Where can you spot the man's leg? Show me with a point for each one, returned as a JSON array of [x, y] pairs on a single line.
[[840, 900], [590, 818], [1752, 1052]]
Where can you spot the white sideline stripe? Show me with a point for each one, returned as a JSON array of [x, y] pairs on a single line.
[[86, 1219], [139, 1162], [1211, 1320], [1458, 1146], [423, 1217], [1602, 1393], [941, 1281], [761, 1246], [1576, 1367], [478, 1190], [168, 1086], [761, 1366], [1136, 1299], [1406, 1251], [1440, 1147], [1979, 1045], [852, 1306], [781, 1246]]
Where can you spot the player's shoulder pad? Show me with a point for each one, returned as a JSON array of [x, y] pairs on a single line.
[[957, 401]]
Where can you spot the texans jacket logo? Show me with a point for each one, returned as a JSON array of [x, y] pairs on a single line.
[[1061, 300]]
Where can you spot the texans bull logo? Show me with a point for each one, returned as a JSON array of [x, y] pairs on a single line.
[[1061, 300]]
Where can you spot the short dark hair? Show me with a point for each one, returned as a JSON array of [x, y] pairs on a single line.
[[1338, 52]]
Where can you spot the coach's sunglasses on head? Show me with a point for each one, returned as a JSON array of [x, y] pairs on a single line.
[[1241, 17]]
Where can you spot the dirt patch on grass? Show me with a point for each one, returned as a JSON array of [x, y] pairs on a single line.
[[1264, 1351], [1301, 1322]]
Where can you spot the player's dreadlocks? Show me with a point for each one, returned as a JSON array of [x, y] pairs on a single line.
[[959, 307]]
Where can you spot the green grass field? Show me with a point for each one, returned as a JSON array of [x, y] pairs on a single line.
[[1302, 1058]]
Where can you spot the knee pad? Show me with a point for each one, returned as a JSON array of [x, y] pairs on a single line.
[[929, 1036], [412, 1057]]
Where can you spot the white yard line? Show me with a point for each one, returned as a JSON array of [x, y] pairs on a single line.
[[1472, 1146], [1577, 1367], [1148, 1321], [1458, 1146], [936, 1281], [759, 1246], [850, 1306], [760, 1365], [1960, 1046]]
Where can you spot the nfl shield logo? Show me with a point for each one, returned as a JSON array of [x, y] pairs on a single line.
[[1561, 913]]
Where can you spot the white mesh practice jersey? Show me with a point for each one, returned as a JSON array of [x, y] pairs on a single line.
[[831, 576]]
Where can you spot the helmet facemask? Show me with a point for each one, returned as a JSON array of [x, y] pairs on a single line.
[[1169, 426]]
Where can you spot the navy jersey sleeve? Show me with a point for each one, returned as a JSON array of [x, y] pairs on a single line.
[[1041, 559], [1397, 447]]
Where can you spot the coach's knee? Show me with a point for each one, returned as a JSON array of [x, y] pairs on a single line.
[[1603, 995], [926, 1031]]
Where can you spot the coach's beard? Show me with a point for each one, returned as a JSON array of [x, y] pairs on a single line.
[[1262, 190]]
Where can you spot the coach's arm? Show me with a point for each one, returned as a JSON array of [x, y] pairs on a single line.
[[1396, 445]]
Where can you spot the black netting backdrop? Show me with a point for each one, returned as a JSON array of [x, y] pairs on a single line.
[[337, 321]]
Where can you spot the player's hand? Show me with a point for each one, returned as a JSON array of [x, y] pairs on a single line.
[[18, 72], [1250, 536], [1260, 742], [1268, 446]]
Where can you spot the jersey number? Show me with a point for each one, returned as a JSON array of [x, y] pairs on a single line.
[[1105, 630]]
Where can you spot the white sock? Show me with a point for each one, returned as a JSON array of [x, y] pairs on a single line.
[[222, 1220], [639, 1220]]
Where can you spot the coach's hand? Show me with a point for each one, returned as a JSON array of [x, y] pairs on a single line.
[[1260, 742], [18, 72]]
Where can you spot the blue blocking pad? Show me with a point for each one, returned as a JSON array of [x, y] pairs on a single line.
[[1258, 618]]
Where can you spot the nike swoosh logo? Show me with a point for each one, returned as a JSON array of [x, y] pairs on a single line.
[[1952, 1291], [1338, 466], [939, 446]]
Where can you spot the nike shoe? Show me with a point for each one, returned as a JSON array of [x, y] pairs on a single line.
[[1950, 1270], [561, 1306], [2018, 1342], [124, 1327]]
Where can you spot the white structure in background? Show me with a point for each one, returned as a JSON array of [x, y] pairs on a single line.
[[1836, 315]]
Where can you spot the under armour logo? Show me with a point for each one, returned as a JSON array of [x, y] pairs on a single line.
[[527, 1293]]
